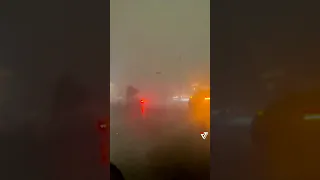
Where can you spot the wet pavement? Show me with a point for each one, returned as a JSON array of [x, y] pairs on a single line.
[[158, 143]]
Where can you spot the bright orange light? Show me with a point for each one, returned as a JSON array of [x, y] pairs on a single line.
[[207, 98], [190, 97]]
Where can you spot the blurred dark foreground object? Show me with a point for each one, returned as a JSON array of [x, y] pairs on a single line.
[[115, 173], [286, 138]]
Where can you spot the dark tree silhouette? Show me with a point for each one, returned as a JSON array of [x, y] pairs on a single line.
[[131, 92]]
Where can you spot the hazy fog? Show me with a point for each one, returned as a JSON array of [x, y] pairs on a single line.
[[172, 37]]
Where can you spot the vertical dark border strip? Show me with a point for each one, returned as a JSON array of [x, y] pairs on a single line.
[[72, 32], [93, 26], [108, 57], [90, 38], [108, 54], [88, 25], [211, 86], [103, 11]]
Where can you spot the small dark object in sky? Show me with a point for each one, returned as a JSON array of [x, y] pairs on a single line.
[[158, 72]]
